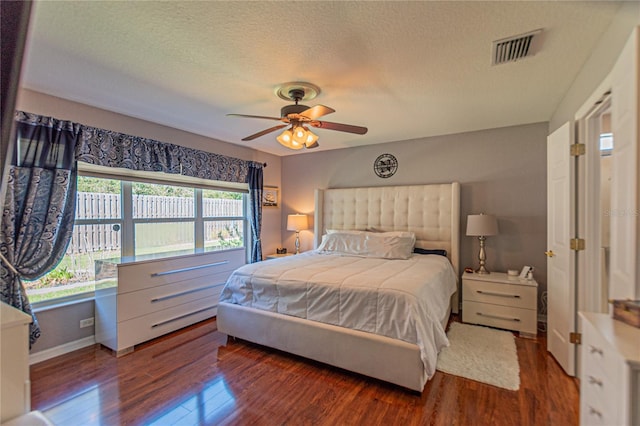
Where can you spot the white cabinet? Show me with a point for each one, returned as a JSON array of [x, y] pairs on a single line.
[[15, 396], [610, 378], [625, 184], [501, 301], [140, 300]]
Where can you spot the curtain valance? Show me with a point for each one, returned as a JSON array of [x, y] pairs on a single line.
[[113, 149]]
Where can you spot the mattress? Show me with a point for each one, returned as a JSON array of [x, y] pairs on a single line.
[[400, 299]]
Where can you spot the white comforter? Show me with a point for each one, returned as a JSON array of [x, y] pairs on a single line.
[[401, 299]]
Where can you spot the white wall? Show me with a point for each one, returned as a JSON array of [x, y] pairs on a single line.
[[599, 64], [501, 172]]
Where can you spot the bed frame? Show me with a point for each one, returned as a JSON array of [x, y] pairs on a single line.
[[432, 212]]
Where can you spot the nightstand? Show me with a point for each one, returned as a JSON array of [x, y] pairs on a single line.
[[275, 256], [501, 301]]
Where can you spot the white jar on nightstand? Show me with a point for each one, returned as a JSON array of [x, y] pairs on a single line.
[[502, 301]]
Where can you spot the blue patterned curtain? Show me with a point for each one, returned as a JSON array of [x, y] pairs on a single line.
[[114, 149], [254, 178], [39, 208]]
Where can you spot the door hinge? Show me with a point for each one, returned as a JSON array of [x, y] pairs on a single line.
[[575, 338], [577, 149], [577, 244]]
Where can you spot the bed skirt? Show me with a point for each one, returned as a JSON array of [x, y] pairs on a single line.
[[380, 357]]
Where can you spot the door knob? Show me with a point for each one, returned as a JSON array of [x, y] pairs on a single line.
[[549, 253]]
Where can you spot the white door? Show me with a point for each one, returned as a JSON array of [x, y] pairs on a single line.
[[625, 197], [560, 257]]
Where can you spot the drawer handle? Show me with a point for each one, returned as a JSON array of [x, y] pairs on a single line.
[[594, 350], [594, 381], [498, 317], [494, 293], [182, 293], [192, 268], [593, 411], [158, 324]]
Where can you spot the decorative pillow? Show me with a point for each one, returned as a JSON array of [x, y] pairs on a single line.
[[440, 252], [389, 246]]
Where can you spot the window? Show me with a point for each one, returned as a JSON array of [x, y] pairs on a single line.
[[222, 216], [163, 220], [606, 143]]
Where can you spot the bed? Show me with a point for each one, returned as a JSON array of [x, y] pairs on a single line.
[[355, 337]]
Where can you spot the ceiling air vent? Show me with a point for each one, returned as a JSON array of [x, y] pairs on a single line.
[[514, 48]]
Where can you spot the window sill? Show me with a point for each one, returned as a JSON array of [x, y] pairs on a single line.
[[62, 302]]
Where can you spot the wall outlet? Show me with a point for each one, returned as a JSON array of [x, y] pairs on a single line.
[[88, 322]]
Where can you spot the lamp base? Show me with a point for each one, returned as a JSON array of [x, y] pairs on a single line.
[[482, 257], [482, 271]]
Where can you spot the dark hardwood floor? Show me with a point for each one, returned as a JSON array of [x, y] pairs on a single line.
[[189, 378]]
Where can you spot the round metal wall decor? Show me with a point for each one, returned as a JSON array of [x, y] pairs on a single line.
[[385, 165]]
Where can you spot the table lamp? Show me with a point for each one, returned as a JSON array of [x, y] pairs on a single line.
[[482, 225], [297, 222]]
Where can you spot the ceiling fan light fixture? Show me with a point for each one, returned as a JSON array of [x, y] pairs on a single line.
[[287, 140], [297, 135], [300, 134], [311, 139]]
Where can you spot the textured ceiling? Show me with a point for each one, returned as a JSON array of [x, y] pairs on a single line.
[[405, 70]]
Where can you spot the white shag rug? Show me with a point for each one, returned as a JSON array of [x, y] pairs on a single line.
[[482, 354]]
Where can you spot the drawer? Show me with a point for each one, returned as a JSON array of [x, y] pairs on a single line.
[[143, 302], [598, 403], [523, 320], [147, 327], [142, 275], [517, 296], [597, 355]]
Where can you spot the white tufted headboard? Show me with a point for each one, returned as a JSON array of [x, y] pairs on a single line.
[[432, 212]]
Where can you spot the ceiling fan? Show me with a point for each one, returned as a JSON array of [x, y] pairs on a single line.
[[298, 117]]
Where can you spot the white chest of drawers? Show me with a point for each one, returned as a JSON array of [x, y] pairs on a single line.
[[15, 386], [140, 300], [498, 300], [610, 371]]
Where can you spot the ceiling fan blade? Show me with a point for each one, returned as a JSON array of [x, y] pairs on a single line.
[[254, 116], [316, 111], [339, 126], [264, 132]]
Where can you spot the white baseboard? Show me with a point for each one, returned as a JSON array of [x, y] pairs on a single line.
[[61, 350]]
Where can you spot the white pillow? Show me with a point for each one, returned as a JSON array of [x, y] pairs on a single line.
[[345, 231], [390, 246], [392, 233], [343, 243], [368, 244], [372, 231]]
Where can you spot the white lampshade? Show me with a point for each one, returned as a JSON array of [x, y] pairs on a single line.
[[481, 225], [297, 222]]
